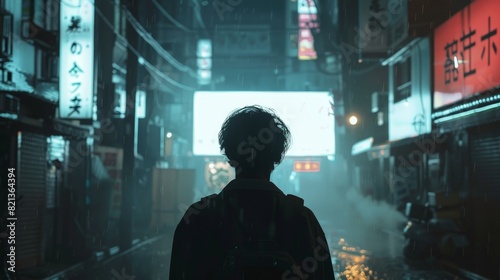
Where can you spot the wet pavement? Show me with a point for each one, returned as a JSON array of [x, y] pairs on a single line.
[[351, 262], [150, 260]]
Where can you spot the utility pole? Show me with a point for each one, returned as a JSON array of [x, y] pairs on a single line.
[[128, 185]]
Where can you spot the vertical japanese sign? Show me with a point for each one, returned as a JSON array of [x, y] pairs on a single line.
[[308, 23], [204, 61], [375, 20], [466, 53], [76, 69]]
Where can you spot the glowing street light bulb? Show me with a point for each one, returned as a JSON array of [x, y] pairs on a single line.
[[169, 135], [353, 120]]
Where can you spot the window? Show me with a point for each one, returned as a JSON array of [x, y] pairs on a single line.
[[402, 80], [47, 66], [6, 34], [43, 13]]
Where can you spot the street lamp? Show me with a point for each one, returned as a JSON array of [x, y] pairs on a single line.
[[353, 120]]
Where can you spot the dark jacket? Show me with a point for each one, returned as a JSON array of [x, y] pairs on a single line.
[[195, 247]]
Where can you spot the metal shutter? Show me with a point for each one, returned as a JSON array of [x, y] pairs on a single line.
[[32, 171], [485, 185], [485, 156]]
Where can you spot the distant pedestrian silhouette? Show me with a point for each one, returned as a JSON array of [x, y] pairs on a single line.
[[251, 229]]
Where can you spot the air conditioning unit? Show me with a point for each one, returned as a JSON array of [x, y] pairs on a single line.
[[6, 31]]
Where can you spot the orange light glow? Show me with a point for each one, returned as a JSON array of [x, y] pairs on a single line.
[[306, 166]]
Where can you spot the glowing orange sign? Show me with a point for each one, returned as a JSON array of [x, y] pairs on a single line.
[[466, 53], [306, 166]]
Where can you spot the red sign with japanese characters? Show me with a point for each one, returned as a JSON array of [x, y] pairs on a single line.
[[466, 53], [307, 22]]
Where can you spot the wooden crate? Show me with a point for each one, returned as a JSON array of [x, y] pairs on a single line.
[[173, 192]]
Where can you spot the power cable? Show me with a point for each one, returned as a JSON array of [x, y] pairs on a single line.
[[172, 19], [146, 63], [198, 14], [157, 46]]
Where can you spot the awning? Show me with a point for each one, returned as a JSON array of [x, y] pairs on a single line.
[[384, 150]]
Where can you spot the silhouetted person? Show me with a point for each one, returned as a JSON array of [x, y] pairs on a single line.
[[251, 229]]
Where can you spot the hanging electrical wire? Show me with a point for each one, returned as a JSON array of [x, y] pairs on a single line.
[[198, 13], [169, 17], [141, 31], [160, 74], [148, 65]]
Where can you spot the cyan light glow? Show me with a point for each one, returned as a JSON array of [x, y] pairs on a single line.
[[307, 114], [467, 113]]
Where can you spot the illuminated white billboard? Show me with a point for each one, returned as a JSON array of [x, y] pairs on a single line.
[[76, 61], [308, 115]]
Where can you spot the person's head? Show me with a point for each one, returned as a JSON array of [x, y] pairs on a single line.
[[254, 139]]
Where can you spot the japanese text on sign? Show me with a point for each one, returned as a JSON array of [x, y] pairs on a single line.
[[467, 59], [76, 59]]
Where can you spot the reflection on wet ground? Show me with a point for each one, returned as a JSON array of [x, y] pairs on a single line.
[[354, 263]]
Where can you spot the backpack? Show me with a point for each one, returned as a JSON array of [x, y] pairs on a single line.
[[241, 255]]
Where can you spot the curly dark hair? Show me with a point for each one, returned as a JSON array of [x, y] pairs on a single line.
[[254, 139]]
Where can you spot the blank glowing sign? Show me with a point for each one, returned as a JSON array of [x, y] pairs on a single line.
[[307, 114]]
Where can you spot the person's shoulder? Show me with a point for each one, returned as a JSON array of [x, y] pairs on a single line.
[[204, 202], [298, 203], [295, 200], [197, 210]]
